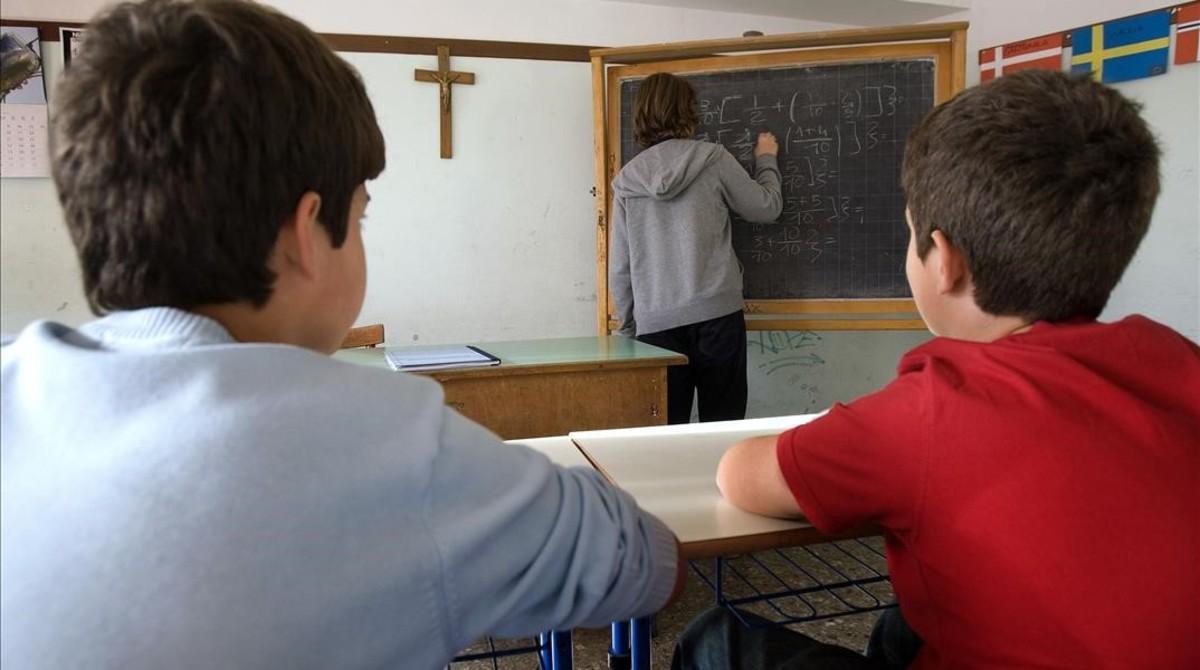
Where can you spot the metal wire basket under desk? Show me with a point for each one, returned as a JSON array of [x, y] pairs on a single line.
[[801, 584], [553, 651]]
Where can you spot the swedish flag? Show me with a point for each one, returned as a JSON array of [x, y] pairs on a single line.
[[1129, 48]]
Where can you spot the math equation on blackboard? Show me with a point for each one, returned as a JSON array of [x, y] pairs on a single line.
[[841, 131]]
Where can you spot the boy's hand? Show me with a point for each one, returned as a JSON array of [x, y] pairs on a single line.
[[766, 146]]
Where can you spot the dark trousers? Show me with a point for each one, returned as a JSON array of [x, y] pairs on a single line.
[[716, 369], [716, 640]]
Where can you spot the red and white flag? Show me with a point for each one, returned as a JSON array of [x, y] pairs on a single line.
[[1187, 33], [1040, 52]]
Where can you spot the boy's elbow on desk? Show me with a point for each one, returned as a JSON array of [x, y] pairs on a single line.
[[749, 477], [733, 472]]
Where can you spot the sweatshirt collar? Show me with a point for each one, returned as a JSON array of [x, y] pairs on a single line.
[[156, 327]]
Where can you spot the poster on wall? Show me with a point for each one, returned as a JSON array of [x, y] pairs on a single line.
[[1130, 48], [21, 81], [1044, 53], [71, 39], [24, 127], [1187, 33]]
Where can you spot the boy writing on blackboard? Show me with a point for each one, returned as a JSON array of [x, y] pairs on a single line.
[[190, 481], [1034, 471], [675, 280]]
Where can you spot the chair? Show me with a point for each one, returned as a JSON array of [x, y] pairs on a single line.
[[364, 336]]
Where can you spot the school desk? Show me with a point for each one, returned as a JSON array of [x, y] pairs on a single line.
[[671, 472], [553, 386]]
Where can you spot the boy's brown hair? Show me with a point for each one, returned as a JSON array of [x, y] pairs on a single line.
[[1045, 182], [665, 108], [184, 134]]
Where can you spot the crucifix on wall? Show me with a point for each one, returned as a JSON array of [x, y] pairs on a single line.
[[444, 77]]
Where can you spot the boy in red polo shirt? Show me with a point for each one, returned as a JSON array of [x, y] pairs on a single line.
[[1036, 473]]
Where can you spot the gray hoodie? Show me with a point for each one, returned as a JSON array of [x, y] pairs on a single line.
[[671, 260]]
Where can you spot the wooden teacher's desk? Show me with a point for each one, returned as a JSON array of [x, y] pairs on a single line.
[[553, 386]]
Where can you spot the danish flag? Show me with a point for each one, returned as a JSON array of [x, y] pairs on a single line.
[[1040, 52], [1187, 33]]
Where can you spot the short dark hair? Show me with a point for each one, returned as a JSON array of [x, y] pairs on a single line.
[[665, 108], [184, 134], [1045, 182]]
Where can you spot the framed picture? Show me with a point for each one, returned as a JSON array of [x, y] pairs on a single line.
[[21, 80], [72, 39]]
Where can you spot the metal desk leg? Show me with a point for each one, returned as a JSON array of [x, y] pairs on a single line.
[[618, 651], [639, 643], [561, 651], [546, 660], [718, 563]]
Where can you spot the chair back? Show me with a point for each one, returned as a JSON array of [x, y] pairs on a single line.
[[364, 336]]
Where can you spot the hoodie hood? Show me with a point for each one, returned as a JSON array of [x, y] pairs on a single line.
[[666, 169]]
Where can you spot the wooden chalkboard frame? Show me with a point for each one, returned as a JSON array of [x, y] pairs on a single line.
[[945, 43]]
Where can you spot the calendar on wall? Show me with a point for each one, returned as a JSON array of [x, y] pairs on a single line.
[[24, 133], [24, 126]]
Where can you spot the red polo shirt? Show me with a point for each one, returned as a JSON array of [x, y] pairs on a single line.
[[1040, 494]]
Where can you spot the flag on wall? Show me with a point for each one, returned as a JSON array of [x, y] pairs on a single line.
[[1124, 49], [1187, 33], [1040, 52]]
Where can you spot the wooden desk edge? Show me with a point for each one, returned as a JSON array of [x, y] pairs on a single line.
[[776, 539], [749, 544], [595, 464]]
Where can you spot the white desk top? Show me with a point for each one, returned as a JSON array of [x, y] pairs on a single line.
[[671, 472]]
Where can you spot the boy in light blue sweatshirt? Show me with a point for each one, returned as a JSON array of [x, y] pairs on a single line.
[[190, 481]]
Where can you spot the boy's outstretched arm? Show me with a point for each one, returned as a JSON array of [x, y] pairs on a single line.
[[749, 476], [525, 546]]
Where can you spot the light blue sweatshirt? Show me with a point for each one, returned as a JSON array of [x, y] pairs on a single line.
[[175, 499]]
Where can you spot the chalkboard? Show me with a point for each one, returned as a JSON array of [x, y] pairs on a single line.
[[841, 130]]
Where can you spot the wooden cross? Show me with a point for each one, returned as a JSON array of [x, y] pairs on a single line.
[[444, 77]]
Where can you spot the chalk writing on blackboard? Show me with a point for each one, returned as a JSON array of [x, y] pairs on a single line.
[[841, 130]]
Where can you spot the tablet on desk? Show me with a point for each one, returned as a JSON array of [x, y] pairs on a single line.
[[439, 358]]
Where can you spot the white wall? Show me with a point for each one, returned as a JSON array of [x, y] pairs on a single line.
[[498, 242], [39, 277], [589, 22], [1163, 281]]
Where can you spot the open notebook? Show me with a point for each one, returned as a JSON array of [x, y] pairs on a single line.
[[439, 358]]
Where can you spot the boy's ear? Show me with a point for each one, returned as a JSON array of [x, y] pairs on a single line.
[[952, 270], [298, 236]]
